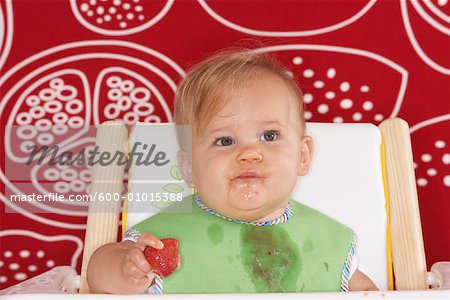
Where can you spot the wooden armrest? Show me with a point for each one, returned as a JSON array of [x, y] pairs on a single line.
[[103, 216], [408, 254]]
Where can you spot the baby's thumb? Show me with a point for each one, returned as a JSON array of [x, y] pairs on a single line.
[[149, 240]]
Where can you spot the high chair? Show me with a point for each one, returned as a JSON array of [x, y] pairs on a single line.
[[361, 175]]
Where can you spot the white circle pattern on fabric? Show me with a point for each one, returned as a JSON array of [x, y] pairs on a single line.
[[367, 105], [378, 117], [60, 118], [43, 125], [114, 94], [69, 174], [364, 89], [344, 87], [67, 93], [330, 95], [135, 95], [331, 73], [439, 144], [131, 118], [308, 73], [426, 157], [322, 108], [61, 187], [77, 185], [47, 94], [297, 60], [149, 109], [338, 120], [152, 119], [14, 266], [20, 276], [56, 83], [308, 98], [446, 180], [319, 84], [26, 132], [24, 253], [74, 106], [45, 138], [124, 103], [446, 159], [113, 81], [346, 103], [24, 118], [431, 172], [127, 86], [32, 268], [100, 10], [308, 115], [85, 175], [51, 174], [37, 112], [75, 122], [53, 106], [60, 129], [111, 111], [8, 254], [422, 182], [357, 116], [26, 146], [33, 100]]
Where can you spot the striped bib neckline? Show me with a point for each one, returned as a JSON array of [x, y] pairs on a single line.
[[288, 212]]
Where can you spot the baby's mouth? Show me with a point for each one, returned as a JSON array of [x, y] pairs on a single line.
[[247, 176]]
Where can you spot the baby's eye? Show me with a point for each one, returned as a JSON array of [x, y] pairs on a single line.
[[224, 141], [269, 136]]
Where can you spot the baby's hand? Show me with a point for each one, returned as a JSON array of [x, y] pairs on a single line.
[[136, 270]]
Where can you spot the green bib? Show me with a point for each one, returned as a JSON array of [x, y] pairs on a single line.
[[304, 254]]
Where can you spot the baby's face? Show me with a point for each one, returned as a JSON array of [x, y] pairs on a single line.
[[245, 162]]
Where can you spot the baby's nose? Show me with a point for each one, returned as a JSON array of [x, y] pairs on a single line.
[[249, 156]]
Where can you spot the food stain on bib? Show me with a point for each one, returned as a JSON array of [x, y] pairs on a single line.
[[308, 245], [271, 258], [326, 265], [215, 233]]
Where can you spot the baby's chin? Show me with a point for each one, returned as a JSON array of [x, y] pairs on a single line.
[[248, 203]]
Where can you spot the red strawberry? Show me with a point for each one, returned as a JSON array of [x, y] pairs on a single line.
[[166, 260]]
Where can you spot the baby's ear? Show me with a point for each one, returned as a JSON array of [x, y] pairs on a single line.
[[306, 150], [185, 163]]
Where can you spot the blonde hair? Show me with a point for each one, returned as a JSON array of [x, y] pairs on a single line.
[[200, 94]]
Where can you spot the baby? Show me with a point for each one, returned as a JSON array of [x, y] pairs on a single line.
[[244, 234]]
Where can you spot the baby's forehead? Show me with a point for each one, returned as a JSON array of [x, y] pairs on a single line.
[[229, 100]]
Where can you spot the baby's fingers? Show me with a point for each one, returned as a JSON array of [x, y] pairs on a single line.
[[147, 239], [143, 282], [137, 263]]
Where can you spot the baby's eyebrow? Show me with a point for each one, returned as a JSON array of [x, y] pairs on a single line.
[[275, 122], [219, 129]]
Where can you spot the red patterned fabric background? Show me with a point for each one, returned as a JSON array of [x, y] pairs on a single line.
[[85, 61]]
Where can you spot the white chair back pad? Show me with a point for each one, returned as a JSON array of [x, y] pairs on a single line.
[[345, 182]]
